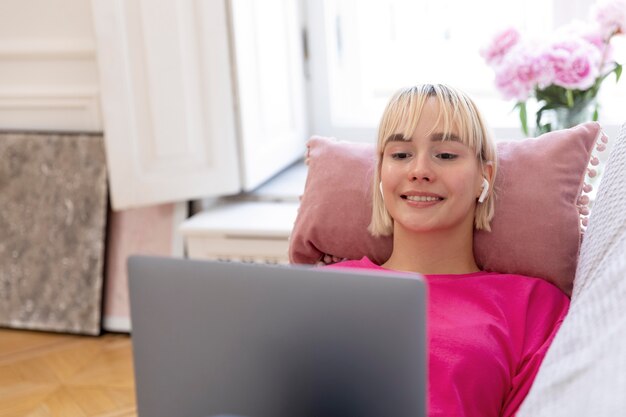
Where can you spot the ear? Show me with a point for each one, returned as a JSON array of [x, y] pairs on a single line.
[[487, 173]]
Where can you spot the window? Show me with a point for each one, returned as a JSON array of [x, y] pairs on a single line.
[[362, 51]]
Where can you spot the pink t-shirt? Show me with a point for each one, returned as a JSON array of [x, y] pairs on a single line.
[[487, 335]]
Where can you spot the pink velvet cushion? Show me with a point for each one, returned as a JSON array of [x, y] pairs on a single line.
[[535, 231]]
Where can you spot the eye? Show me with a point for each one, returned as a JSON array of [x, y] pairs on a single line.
[[400, 155], [446, 156]]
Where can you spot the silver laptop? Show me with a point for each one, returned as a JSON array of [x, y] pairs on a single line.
[[227, 339]]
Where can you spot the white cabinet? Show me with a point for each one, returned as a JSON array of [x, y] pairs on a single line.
[[242, 232], [256, 230]]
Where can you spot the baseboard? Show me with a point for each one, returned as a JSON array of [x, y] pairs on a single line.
[[117, 324]]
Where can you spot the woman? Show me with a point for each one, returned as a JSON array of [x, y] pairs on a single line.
[[487, 332]]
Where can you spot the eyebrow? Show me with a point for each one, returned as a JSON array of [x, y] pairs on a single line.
[[434, 137], [438, 137], [397, 137]]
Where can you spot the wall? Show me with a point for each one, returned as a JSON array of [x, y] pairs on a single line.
[[48, 71]]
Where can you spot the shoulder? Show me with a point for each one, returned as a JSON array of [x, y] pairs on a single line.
[[525, 284], [536, 299], [513, 294], [538, 287]]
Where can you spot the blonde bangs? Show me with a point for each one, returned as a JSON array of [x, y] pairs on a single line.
[[457, 112]]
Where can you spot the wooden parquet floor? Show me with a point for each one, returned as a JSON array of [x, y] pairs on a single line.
[[55, 375]]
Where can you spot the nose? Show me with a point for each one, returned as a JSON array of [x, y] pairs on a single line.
[[421, 169]]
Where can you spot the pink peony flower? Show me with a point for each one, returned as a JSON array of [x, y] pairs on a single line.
[[501, 43], [574, 63], [611, 16], [509, 84], [519, 71], [604, 47], [591, 32]]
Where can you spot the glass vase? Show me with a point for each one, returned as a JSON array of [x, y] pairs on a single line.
[[566, 117]]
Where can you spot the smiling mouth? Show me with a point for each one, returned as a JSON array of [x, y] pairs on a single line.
[[421, 198]]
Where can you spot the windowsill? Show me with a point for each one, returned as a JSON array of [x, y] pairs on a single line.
[[286, 186]]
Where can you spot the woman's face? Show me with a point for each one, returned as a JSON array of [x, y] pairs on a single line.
[[429, 184]]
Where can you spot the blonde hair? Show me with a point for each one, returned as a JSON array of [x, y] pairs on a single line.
[[402, 115]]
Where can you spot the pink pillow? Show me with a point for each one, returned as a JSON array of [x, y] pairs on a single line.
[[535, 231]]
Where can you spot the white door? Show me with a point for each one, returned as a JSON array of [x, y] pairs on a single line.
[[270, 86], [175, 127]]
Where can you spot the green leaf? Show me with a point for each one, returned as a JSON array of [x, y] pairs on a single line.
[[539, 128], [589, 94], [618, 72], [596, 112], [552, 94], [570, 97], [548, 106], [523, 116]]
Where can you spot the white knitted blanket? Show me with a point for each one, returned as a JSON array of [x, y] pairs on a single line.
[[584, 372]]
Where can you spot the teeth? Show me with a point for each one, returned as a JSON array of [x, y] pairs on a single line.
[[421, 198]]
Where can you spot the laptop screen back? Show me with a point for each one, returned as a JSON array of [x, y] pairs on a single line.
[[226, 339]]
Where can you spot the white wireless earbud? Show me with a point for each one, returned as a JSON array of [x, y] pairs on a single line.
[[380, 187], [483, 195]]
